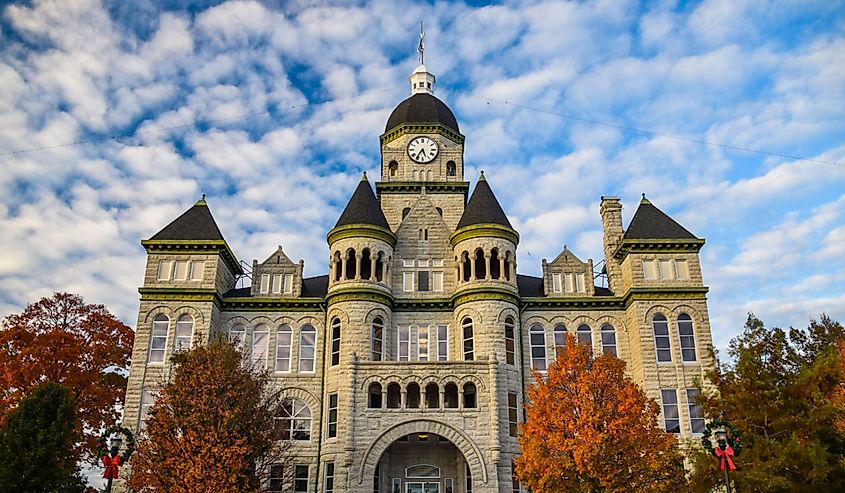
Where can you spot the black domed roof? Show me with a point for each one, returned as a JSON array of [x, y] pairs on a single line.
[[422, 108]]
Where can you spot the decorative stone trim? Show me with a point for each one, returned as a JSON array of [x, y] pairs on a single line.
[[432, 128], [484, 230], [416, 187], [192, 247], [658, 245], [361, 231]]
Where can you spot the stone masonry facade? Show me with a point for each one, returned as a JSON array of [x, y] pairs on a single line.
[[405, 368]]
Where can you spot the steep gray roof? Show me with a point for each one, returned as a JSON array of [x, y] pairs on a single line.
[[649, 222], [483, 207], [196, 223], [422, 108], [363, 207]]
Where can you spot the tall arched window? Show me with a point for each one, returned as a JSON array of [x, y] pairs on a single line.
[[158, 338], [307, 344], [451, 169], [350, 264], [380, 266], [412, 396], [470, 395], [366, 264], [509, 342], [450, 396], [335, 356], [584, 335], [393, 168], [184, 333], [687, 335], [377, 340], [374, 396], [465, 260], [469, 346], [283, 340], [295, 420], [260, 340], [236, 336], [559, 333], [495, 268], [432, 396], [338, 266], [394, 396], [508, 262], [537, 342], [608, 339], [661, 338], [480, 265]]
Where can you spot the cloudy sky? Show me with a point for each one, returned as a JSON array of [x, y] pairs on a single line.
[[116, 116]]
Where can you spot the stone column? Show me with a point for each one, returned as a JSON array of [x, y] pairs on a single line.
[[472, 268], [343, 268], [357, 266], [372, 268], [487, 265], [501, 268]]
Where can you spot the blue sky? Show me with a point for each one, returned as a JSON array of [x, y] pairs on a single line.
[[273, 110]]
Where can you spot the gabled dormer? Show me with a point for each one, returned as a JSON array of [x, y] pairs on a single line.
[[423, 265], [567, 275], [277, 277]]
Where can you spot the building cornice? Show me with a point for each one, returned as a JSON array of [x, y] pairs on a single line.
[[273, 304], [486, 293], [431, 187], [484, 230], [180, 294], [657, 246], [359, 293], [361, 231], [193, 247], [431, 128]]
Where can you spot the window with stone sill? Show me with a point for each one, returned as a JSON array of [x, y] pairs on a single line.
[[180, 270], [423, 275], [158, 339]]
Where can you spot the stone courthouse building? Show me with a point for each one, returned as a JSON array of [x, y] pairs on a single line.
[[404, 369]]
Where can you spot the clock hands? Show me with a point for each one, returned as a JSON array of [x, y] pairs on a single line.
[[421, 153]]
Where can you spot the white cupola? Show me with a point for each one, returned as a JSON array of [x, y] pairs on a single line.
[[422, 81]]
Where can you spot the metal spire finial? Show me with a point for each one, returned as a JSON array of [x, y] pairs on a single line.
[[421, 47]]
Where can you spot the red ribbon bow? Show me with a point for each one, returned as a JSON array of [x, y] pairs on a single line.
[[111, 464], [725, 458]]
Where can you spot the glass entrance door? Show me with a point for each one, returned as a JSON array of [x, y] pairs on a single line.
[[422, 487]]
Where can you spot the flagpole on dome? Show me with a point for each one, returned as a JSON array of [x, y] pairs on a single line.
[[422, 81]]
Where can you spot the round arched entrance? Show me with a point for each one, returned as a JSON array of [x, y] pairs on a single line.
[[422, 456]]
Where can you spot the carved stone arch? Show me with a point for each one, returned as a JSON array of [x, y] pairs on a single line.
[[616, 322], [689, 310], [536, 319], [373, 379], [584, 319], [464, 312], [430, 378], [199, 320], [562, 320], [158, 310], [305, 396], [336, 312], [237, 319], [649, 314], [284, 320], [377, 312], [479, 384], [311, 320], [505, 313], [462, 441], [261, 319], [455, 379]]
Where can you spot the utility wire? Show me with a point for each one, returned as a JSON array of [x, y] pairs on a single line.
[[657, 134]]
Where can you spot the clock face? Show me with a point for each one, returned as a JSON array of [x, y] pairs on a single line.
[[422, 149]]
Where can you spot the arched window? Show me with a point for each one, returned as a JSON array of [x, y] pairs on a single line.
[[466, 329], [338, 266], [584, 335], [394, 396], [335, 355], [450, 396], [451, 169], [608, 339], [260, 341], [432, 396], [393, 168], [480, 265], [377, 340], [295, 420], [537, 341], [508, 262], [374, 396], [509, 341], [465, 260], [158, 338], [412, 396], [184, 333], [495, 268], [661, 338], [470, 400], [350, 264], [380, 267], [307, 344], [559, 333], [687, 335], [283, 340], [366, 264], [236, 336]]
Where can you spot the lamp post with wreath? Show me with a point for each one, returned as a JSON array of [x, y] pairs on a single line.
[[111, 457], [728, 445]]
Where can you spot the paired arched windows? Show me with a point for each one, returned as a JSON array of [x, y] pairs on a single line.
[[537, 343], [295, 419], [158, 338], [662, 339], [307, 346], [469, 345]]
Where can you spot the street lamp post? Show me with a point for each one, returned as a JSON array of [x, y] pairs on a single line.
[[112, 468], [724, 453]]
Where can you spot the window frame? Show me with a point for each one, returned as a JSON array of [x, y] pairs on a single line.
[[468, 342], [698, 420], [513, 413], [510, 341], [158, 320], [686, 349], [181, 322], [265, 331], [442, 342], [536, 347], [664, 407], [331, 415], [294, 416], [335, 342], [666, 352], [313, 359], [377, 339], [612, 332], [283, 332]]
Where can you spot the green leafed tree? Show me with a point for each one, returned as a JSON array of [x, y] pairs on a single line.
[[781, 391], [37, 444]]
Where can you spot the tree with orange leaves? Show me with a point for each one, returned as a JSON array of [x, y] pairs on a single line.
[[590, 428], [80, 346], [212, 428]]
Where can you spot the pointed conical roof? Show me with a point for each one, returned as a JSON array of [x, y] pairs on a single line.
[[196, 223], [483, 207], [363, 207], [649, 223]]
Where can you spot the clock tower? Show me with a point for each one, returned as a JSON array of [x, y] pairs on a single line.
[[422, 152]]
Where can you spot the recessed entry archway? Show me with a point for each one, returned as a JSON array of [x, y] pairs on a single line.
[[429, 438]]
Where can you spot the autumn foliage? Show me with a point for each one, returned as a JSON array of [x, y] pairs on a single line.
[[590, 428], [80, 346], [211, 428]]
